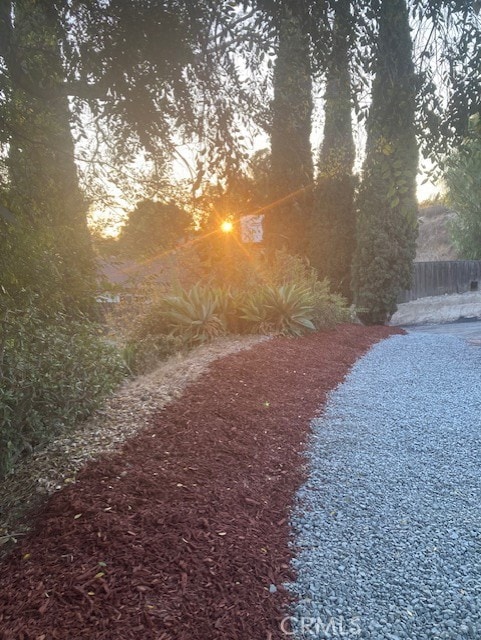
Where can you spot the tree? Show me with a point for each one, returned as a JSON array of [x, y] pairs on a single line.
[[153, 75], [42, 188], [387, 205], [226, 260], [287, 224], [152, 228], [447, 40], [130, 78], [332, 237], [463, 179]]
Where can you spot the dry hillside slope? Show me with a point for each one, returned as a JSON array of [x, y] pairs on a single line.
[[434, 241]]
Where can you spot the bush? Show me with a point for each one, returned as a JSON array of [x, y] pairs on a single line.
[[329, 308], [228, 303], [286, 298], [53, 372], [196, 315], [284, 268], [144, 354], [253, 312], [286, 309], [152, 323], [463, 179]]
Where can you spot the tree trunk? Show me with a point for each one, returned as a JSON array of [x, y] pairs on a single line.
[[44, 187]]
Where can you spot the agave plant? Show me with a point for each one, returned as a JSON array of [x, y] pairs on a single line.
[[290, 309], [253, 311], [285, 309], [193, 314], [227, 306]]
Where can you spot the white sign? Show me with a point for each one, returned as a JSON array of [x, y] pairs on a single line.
[[251, 229]]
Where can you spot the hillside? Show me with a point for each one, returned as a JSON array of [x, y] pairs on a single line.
[[434, 241]]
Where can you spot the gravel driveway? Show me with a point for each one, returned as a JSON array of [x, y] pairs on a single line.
[[388, 524], [469, 330]]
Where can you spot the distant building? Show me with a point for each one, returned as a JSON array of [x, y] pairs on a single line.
[[121, 279]]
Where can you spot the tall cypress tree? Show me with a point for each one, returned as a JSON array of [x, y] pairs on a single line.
[[286, 225], [333, 220], [387, 205]]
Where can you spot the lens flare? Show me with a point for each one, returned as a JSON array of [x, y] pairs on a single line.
[[227, 226]]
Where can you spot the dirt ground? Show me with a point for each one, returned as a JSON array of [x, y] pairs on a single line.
[[183, 532]]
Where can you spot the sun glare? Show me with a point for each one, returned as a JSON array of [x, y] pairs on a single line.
[[227, 226]]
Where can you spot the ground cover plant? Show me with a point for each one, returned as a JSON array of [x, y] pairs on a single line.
[[183, 534]]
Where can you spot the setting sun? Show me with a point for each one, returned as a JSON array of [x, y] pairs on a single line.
[[227, 226]]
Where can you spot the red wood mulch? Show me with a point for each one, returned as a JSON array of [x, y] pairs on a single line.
[[180, 535]]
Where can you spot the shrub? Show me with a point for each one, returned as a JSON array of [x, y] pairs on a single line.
[[286, 298], [191, 316], [253, 311], [290, 309], [228, 304], [153, 322], [285, 309], [53, 372], [194, 314], [329, 308], [463, 179], [284, 268], [143, 355]]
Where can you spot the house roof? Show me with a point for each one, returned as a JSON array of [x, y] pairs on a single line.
[[129, 274]]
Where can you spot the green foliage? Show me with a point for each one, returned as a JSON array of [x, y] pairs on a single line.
[[332, 233], [228, 303], [293, 309], [39, 173], [463, 179], [387, 205], [142, 355], [330, 309], [28, 268], [53, 372], [253, 311], [447, 72], [195, 314], [33, 271], [333, 238], [286, 224], [153, 322], [286, 309], [285, 298], [284, 268], [152, 228]]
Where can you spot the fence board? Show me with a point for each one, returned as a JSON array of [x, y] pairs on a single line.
[[439, 278]]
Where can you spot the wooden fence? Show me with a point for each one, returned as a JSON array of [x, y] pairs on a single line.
[[438, 278]]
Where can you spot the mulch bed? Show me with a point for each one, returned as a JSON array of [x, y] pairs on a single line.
[[180, 535]]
